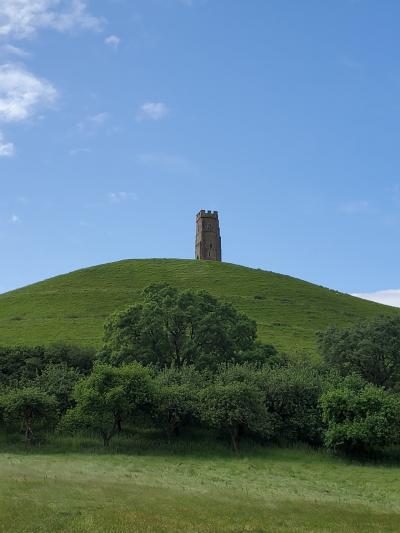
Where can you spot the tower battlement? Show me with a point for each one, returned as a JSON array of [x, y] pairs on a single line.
[[208, 236], [208, 214]]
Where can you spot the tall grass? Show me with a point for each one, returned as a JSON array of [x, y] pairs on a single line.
[[142, 483]]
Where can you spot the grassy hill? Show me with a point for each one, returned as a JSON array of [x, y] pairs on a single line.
[[73, 307]]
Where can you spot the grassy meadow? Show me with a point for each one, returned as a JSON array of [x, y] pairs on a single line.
[[76, 486], [73, 307]]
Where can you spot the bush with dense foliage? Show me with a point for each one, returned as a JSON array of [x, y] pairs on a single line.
[[360, 417], [21, 364], [292, 397]]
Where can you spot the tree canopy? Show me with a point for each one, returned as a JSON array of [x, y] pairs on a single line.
[[108, 397], [371, 349], [172, 327]]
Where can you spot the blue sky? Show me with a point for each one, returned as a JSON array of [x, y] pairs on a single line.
[[120, 119]]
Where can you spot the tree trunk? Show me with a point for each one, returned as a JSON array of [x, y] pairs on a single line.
[[234, 439], [28, 431], [106, 439]]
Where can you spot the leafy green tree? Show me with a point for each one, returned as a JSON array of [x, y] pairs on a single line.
[[292, 396], [176, 328], [19, 365], [73, 356], [59, 380], [30, 408], [290, 393], [173, 406], [259, 354], [235, 408], [370, 348], [109, 396], [176, 397], [360, 417]]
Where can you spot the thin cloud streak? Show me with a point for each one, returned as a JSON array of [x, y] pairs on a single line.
[[387, 297], [152, 111]]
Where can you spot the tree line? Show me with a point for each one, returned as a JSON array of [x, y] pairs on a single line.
[[183, 359]]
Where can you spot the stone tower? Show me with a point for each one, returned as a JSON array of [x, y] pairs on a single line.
[[208, 237]]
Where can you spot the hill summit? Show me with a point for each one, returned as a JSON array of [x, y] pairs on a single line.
[[73, 307]]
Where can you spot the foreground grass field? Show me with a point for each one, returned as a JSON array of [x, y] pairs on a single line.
[[73, 307], [264, 490]]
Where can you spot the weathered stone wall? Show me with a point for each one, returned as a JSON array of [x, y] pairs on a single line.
[[208, 236]]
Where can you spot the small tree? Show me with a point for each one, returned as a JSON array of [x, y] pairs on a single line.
[[370, 348], [235, 408], [360, 418], [30, 408], [292, 396], [173, 405], [108, 396], [59, 380]]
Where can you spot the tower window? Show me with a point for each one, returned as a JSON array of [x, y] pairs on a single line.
[[210, 245]]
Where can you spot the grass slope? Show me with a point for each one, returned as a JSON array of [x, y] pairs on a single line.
[[73, 307], [274, 490]]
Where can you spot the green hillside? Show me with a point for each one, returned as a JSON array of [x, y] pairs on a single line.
[[73, 307]]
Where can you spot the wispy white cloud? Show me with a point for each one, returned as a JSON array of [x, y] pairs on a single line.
[[99, 118], [113, 41], [118, 197], [14, 219], [77, 151], [7, 149], [24, 18], [167, 162], [356, 207], [11, 50], [92, 123], [22, 94], [387, 297], [152, 111]]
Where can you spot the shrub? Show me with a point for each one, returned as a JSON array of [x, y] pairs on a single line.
[[292, 396], [19, 365], [235, 408], [59, 380], [360, 418], [173, 406]]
